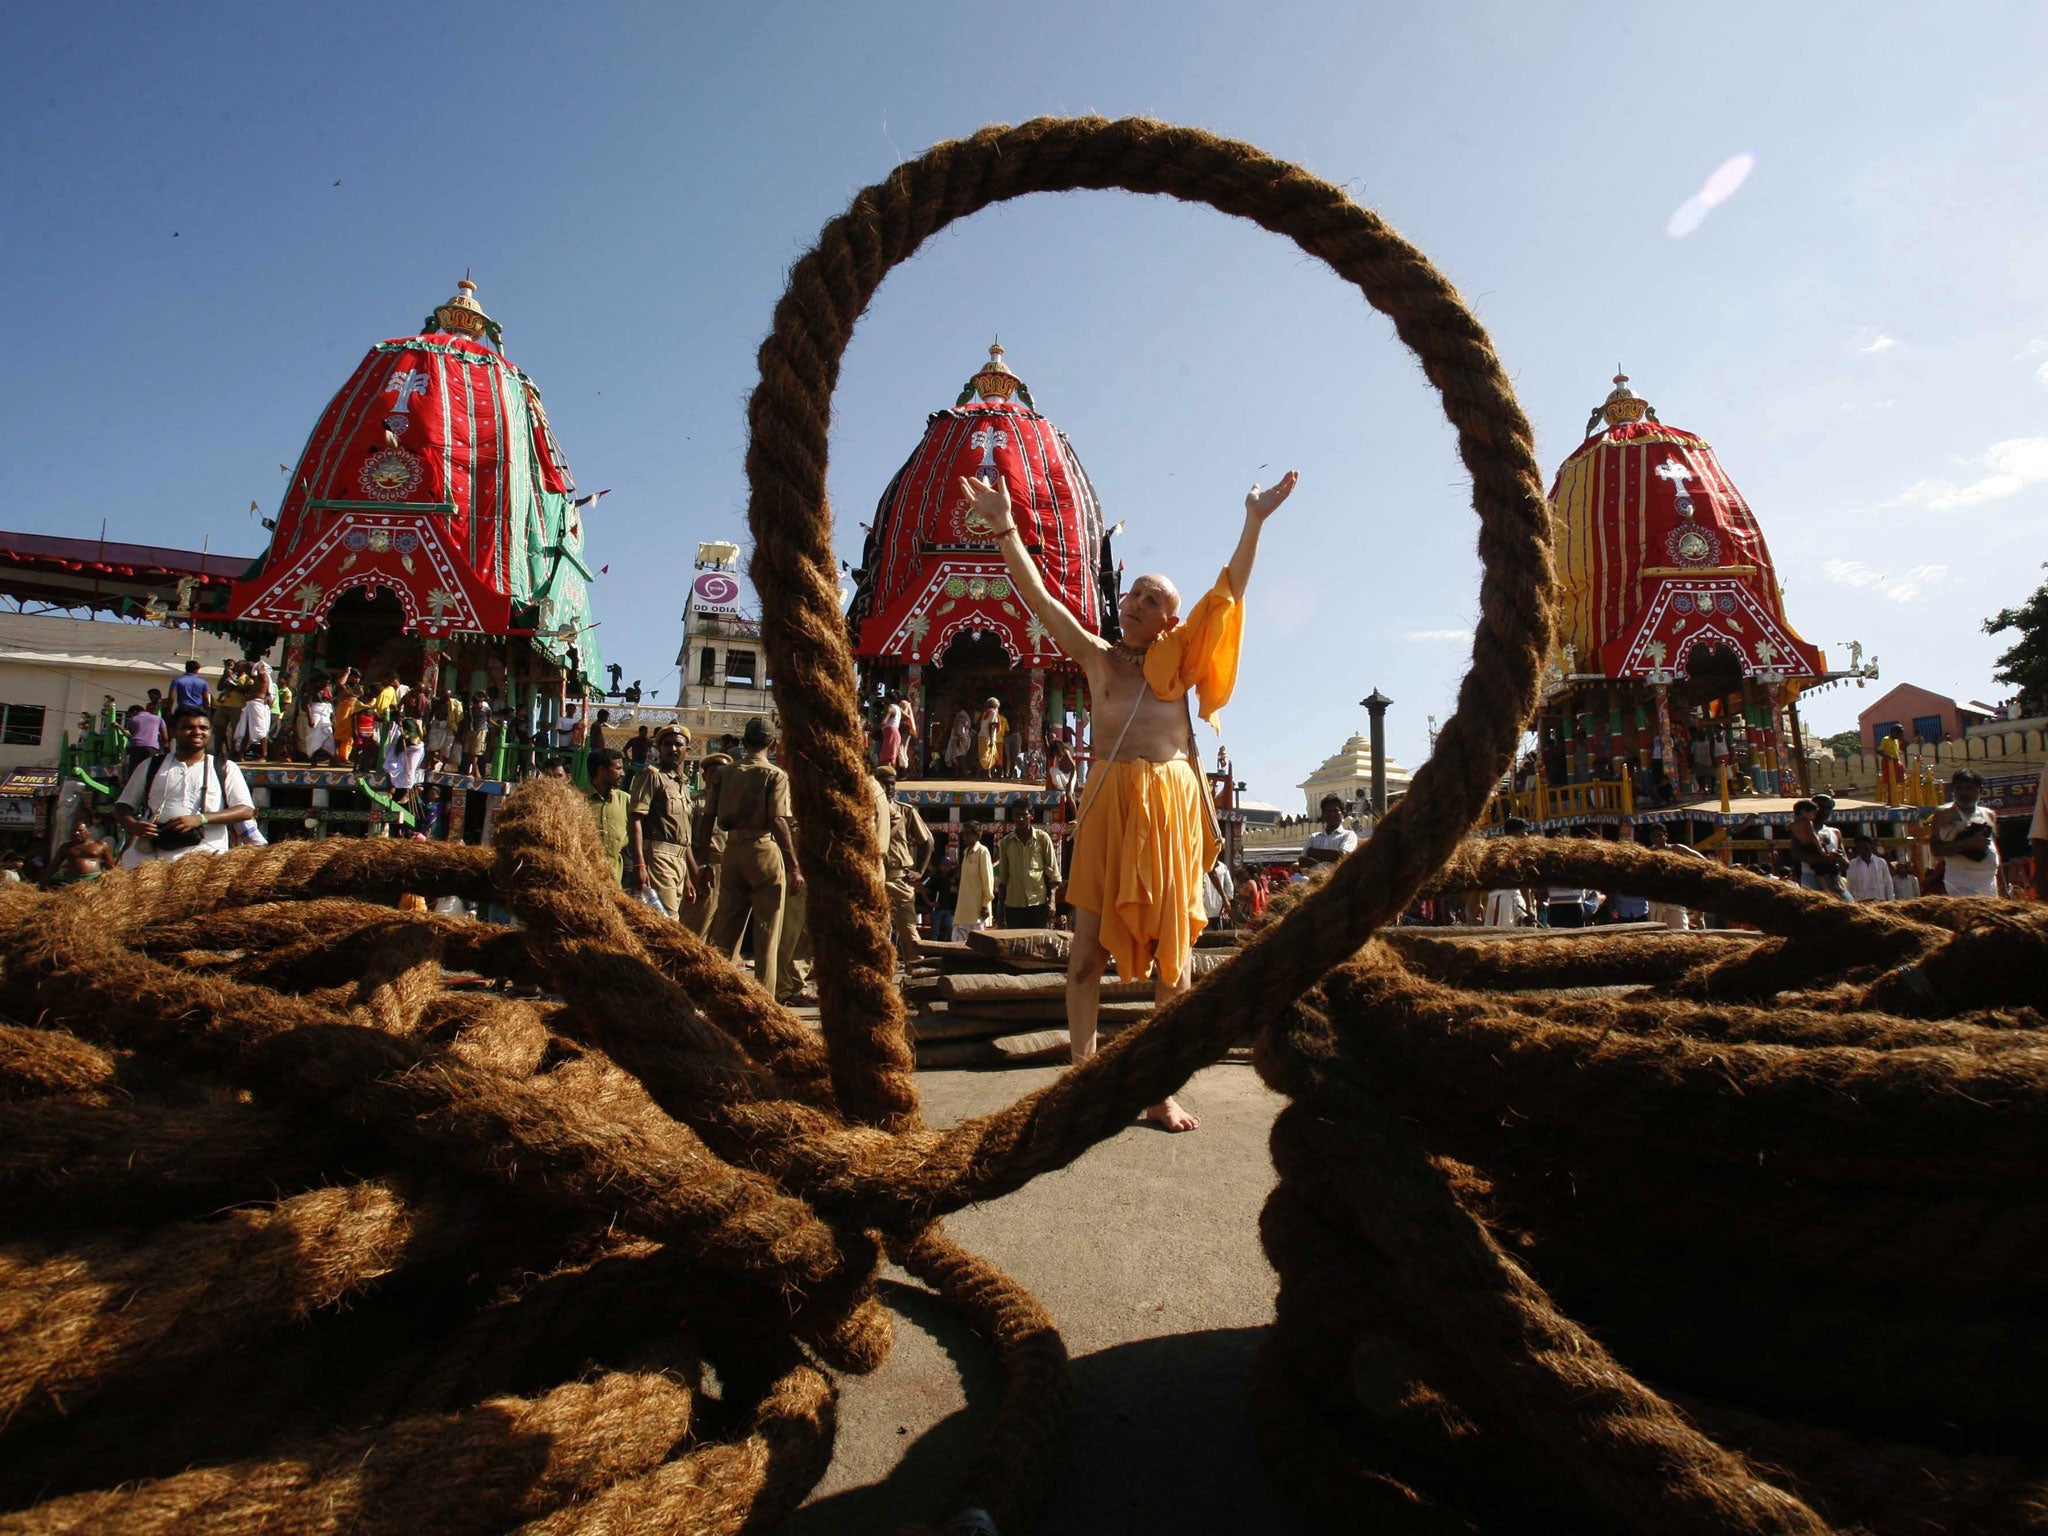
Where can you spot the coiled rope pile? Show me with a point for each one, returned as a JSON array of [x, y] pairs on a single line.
[[303, 1235]]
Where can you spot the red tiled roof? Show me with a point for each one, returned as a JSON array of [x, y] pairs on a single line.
[[103, 557]]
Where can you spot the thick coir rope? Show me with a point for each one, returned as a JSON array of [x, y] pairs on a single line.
[[488, 1199], [1818, 1222]]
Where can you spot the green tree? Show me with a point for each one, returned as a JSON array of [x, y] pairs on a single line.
[[2025, 666], [1844, 741]]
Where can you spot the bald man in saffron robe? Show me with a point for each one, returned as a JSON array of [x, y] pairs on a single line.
[[1147, 832]]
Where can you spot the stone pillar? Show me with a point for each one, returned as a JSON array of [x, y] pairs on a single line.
[[1376, 706]]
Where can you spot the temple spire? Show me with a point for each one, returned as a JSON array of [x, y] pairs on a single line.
[[995, 383], [1621, 405], [463, 316]]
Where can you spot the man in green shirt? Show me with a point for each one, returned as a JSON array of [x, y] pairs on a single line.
[[609, 804], [1027, 870]]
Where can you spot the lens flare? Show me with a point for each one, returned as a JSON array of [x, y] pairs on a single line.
[[1726, 180]]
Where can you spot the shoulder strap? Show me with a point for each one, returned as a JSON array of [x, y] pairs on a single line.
[[1088, 799], [149, 780]]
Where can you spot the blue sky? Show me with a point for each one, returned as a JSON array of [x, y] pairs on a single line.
[[1861, 331]]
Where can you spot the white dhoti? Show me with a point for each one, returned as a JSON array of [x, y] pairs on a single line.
[[254, 728], [318, 733]]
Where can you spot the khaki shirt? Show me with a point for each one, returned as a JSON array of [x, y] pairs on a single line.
[[751, 794], [910, 840], [663, 799], [610, 811], [1027, 868]]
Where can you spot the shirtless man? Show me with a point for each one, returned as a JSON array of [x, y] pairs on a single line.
[[1147, 803]]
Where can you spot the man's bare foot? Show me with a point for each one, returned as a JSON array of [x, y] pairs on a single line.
[[1169, 1116]]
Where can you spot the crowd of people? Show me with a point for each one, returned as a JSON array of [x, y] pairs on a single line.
[[981, 743], [344, 720], [1814, 853]]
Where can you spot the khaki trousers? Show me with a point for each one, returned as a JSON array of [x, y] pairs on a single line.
[[667, 870], [696, 915], [751, 880], [793, 956], [903, 917]]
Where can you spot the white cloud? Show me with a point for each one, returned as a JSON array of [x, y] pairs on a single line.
[[2041, 373], [1881, 343], [2015, 464], [1897, 589], [1916, 581], [1851, 573], [1439, 636]]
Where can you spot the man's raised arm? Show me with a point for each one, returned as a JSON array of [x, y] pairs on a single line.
[[1258, 506], [993, 503]]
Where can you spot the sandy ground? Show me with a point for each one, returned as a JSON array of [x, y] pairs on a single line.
[[1146, 1252]]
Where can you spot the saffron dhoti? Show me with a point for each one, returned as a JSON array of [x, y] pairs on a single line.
[[1144, 845]]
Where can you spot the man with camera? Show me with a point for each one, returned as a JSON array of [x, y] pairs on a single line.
[[184, 800]]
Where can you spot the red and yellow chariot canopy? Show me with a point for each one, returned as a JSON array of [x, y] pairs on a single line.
[[931, 572], [1659, 554]]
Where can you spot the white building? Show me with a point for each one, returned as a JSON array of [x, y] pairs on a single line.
[[54, 670], [1347, 774], [723, 664]]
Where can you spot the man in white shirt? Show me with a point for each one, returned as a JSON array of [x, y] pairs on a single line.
[[1335, 840], [184, 801], [1870, 878], [1965, 839], [565, 728]]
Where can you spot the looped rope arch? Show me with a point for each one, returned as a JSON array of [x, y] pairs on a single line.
[[794, 568], [271, 1168]]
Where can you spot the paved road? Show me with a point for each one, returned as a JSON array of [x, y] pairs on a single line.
[[1146, 1252]]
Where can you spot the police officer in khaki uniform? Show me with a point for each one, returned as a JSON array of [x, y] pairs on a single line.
[[793, 956], [708, 842], [660, 814], [904, 855], [760, 857]]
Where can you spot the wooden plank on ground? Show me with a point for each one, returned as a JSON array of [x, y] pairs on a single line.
[[940, 1023], [941, 1054], [1028, 949], [1038, 1046], [1052, 1011], [1018, 989]]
